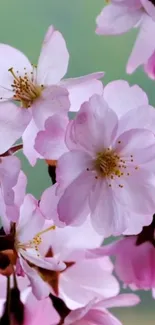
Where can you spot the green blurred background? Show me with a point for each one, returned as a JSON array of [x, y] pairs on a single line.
[[23, 24]]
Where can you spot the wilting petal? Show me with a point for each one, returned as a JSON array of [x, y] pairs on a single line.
[[53, 60]]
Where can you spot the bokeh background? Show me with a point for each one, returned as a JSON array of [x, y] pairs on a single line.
[[23, 24]]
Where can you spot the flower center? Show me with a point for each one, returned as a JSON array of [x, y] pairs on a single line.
[[35, 242], [107, 163], [25, 90]]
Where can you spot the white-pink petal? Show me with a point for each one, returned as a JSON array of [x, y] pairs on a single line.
[[13, 122], [53, 60]]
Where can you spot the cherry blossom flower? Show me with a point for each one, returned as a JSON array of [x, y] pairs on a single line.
[[82, 279], [97, 313], [110, 165], [38, 90], [134, 258], [120, 16], [26, 239]]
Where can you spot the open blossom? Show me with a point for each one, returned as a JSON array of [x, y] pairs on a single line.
[[96, 312], [109, 170], [134, 258], [120, 16], [82, 279], [25, 239], [39, 90]]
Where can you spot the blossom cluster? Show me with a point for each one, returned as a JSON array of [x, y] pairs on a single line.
[[54, 267]]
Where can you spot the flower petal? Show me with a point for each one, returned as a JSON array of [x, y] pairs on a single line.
[[70, 166], [121, 97], [51, 143], [13, 122], [54, 100], [72, 208], [11, 58], [122, 300], [95, 125], [31, 220], [28, 137], [107, 215], [117, 19], [39, 288], [144, 46], [82, 88], [53, 60]]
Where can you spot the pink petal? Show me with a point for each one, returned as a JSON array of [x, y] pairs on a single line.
[[39, 287], [136, 187], [134, 228], [20, 189], [53, 60], [84, 281], [73, 208], [54, 100], [70, 166], [48, 263], [9, 173], [144, 46], [121, 97], [142, 117], [123, 300], [82, 88], [51, 143], [38, 311], [28, 137], [117, 19], [101, 317], [31, 220], [13, 122], [138, 143], [11, 58], [107, 215], [95, 125], [149, 67], [149, 7]]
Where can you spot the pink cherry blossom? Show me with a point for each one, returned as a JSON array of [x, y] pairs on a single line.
[[110, 165], [82, 279], [27, 234], [96, 312], [40, 90], [120, 16], [134, 258]]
